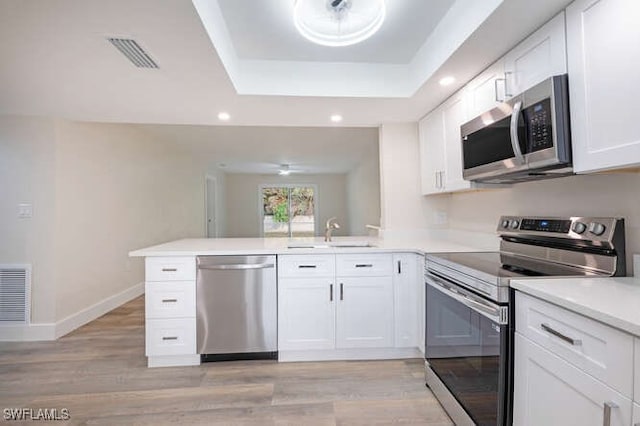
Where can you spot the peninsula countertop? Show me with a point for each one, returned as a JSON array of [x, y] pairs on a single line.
[[421, 242]]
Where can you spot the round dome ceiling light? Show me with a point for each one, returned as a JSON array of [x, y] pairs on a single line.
[[338, 22]]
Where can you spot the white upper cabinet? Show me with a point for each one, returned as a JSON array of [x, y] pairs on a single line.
[[540, 56], [603, 39], [486, 91], [441, 149], [454, 114], [431, 133]]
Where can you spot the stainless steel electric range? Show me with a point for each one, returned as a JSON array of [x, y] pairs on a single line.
[[470, 309]]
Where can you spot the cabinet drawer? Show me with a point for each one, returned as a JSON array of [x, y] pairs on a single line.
[[600, 350], [170, 268], [364, 265], [323, 265], [170, 336], [175, 299]]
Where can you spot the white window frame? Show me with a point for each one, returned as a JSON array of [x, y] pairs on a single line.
[[261, 188]]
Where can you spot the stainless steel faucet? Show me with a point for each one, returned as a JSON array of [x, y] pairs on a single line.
[[331, 225]]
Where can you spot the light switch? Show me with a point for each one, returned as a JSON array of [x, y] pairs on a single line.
[[25, 211]]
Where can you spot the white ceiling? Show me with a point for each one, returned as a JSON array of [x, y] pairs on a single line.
[[273, 36], [57, 62], [252, 149]]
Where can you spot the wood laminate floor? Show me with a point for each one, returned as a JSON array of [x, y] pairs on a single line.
[[99, 374]]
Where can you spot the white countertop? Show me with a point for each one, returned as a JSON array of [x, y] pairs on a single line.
[[422, 242], [613, 301]]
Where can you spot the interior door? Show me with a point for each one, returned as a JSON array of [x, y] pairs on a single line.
[[212, 224]]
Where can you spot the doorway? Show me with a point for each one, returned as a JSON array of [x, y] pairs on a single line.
[[211, 216]]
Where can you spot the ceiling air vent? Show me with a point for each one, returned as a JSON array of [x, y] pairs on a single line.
[[132, 50], [15, 294]]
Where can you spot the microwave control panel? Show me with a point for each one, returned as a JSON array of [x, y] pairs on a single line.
[[538, 121]]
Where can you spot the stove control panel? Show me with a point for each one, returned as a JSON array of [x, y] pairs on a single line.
[[582, 228]]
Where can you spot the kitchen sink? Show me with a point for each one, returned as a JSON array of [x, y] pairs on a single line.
[[350, 244]]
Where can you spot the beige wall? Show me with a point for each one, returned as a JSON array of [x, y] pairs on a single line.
[[98, 191], [363, 195], [616, 194], [402, 205], [243, 202], [117, 190], [27, 175]]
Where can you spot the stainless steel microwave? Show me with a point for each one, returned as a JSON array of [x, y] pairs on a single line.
[[526, 138]]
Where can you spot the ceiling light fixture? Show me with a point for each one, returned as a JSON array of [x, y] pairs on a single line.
[[338, 22], [336, 118], [224, 116], [445, 81], [284, 170]]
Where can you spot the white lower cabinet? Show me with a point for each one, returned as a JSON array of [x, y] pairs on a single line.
[[549, 391], [364, 315], [306, 313], [408, 299]]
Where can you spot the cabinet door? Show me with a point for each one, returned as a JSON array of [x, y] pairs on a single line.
[[454, 114], [431, 132], [604, 63], [364, 313], [540, 56], [306, 313], [407, 301], [486, 91], [549, 391]]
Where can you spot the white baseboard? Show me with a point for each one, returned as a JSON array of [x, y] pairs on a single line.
[[27, 333], [173, 360], [39, 332], [70, 323]]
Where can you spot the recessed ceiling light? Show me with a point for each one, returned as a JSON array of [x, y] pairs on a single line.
[[336, 118], [338, 22], [445, 81], [224, 116]]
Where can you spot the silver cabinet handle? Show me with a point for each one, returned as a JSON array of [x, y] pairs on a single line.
[[240, 266], [170, 338], [341, 291], [364, 265], [307, 266], [435, 174], [515, 142], [399, 267], [330, 292], [606, 419], [442, 185], [495, 88], [169, 270], [169, 300], [548, 329]]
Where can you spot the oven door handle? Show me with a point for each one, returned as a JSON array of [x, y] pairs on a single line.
[[495, 313]]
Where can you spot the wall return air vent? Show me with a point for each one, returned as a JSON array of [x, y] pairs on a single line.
[[132, 50], [15, 294]]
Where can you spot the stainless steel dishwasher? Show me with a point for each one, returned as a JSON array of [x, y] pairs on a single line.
[[237, 307]]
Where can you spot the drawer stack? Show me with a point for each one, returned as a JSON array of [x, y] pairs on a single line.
[[170, 311]]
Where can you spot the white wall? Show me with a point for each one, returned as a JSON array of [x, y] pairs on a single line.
[[616, 194], [363, 194], [98, 191], [117, 190], [403, 208], [27, 175], [243, 202]]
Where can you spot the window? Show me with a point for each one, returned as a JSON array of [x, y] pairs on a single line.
[[288, 210]]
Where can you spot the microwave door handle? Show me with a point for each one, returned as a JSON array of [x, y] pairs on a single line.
[[515, 142]]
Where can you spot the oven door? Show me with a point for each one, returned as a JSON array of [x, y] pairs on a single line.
[[467, 353]]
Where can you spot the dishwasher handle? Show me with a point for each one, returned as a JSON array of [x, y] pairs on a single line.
[[237, 266]]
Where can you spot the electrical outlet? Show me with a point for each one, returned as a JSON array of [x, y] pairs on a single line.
[[25, 211]]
